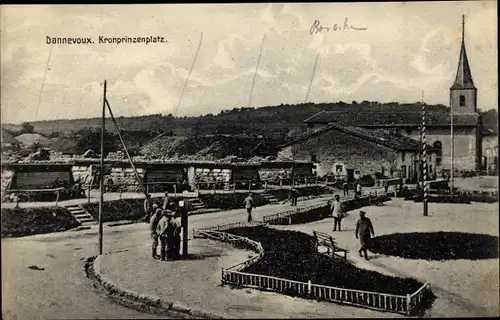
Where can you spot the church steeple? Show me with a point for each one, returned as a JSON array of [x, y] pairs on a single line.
[[463, 93], [463, 79]]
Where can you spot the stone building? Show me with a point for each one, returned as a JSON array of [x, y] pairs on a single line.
[[357, 151], [467, 123]]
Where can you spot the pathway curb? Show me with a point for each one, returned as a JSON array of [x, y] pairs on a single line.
[[149, 300]]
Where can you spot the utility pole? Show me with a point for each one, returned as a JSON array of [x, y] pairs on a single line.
[[101, 173]]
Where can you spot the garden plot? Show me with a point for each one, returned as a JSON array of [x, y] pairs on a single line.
[[464, 287]]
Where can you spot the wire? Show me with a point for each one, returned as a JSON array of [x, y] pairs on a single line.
[[312, 77], [189, 74], [43, 82], [255, 74]]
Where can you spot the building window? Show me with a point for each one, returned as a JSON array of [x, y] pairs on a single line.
[[439, 152], [462, 100], [403, 172], [403, 156]]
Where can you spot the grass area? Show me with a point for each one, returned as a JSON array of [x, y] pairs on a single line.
[[21, 222], [125, 209], [292, 255], [438, 245], [228, 201]]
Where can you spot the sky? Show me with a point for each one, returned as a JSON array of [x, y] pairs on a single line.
[[405, 49]]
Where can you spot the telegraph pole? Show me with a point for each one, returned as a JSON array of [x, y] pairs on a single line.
[[101, 173]]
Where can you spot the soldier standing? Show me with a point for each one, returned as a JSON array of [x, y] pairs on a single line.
[[161, 229], [249, 206], [364, 231], [153, 224]]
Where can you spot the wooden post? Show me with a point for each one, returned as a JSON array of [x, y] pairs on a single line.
[[234, 186], [265, 185], [175, 190], [281, 183], [249, 186], [408, 304]]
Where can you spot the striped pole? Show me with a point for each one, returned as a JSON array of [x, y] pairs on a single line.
[[424, 161]]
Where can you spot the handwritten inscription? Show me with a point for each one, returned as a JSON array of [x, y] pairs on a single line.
[[317, 27]]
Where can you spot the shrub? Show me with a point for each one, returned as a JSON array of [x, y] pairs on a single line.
[[21, 222]]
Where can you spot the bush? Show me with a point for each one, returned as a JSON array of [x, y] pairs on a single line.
[[228, 201], [292, 255], [21, 222], [367, 180]]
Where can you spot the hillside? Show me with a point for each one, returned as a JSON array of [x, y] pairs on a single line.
[[271, 120]]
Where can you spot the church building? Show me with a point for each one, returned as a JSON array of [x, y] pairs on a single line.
[[467, 124]]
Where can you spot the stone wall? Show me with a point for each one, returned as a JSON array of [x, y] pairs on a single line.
[[336, 147], [465, 147]]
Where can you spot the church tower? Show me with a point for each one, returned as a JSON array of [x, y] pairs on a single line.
[[463, 93]]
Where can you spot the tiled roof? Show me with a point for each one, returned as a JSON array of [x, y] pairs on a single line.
[[380, 137], [396, 119]]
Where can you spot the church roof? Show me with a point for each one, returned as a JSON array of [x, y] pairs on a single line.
[[463, 79], [394, 119], [380, 137]]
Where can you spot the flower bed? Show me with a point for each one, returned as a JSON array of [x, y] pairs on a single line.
[[228, 201], [21, 222], [437, 245], [290, 264], [292, 255]]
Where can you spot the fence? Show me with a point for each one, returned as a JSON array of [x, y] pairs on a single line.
[[284, 218], [367, 299]]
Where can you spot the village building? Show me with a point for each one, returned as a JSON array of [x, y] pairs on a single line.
[[353, 152], [467, 123]]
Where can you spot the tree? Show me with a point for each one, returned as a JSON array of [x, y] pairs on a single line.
[[27, 127], [90, 139]]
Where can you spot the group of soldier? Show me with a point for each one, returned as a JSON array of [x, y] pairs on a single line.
[[165, 227]]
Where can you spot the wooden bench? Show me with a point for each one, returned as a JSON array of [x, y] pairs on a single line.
[[326, 240]]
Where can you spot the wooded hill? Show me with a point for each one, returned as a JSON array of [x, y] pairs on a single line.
[[279, 121]]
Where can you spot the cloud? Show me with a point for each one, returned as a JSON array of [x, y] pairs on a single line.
[[406, 49]]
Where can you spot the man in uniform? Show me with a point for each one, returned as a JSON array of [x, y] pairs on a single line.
[[364, 230], [153, 224], [161, 229], [249, 206], [176, 245], [147, 207], [337, 212]]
